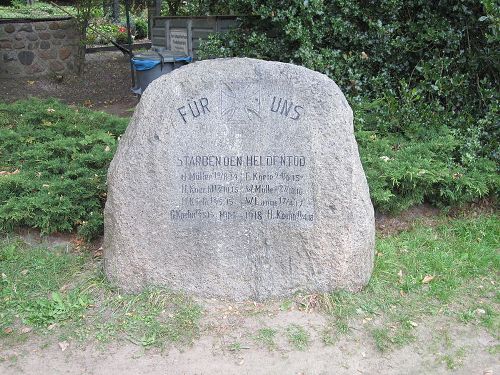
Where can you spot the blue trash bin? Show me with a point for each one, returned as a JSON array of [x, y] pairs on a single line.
[[150, 65]]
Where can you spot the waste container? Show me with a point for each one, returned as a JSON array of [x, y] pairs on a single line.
[[150, 65]]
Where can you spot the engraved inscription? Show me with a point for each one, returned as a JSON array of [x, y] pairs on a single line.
[[194, 109], [242, 101], [286, 107], [244, 188]]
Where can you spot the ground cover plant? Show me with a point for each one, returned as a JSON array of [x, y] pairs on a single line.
[[54, 159], [40, 9], [446, 271], [53, 165]]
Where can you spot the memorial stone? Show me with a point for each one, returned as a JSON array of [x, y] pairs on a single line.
[[239, 179]]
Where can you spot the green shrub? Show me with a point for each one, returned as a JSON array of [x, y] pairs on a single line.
[[421, 76], [101, 33], [121, 36], [141, 28], [54, 160]]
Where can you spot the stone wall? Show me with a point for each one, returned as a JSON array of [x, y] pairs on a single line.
[[37, 47]]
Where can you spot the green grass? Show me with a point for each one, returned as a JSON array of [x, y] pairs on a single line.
[[267, 336], [298, 337], [42, 287], [463, 257], [40, 9], [31, 283]]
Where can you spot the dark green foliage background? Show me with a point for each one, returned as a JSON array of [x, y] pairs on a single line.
[[62, 154], [421, 76]]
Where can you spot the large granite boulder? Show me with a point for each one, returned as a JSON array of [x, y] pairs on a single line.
[[239, 179]]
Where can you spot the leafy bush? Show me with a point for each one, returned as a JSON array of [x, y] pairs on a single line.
[[141, 28], [53, 163], [421, 77]]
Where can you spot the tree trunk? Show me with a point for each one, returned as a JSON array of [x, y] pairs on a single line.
[[115, 15], [106, 8]]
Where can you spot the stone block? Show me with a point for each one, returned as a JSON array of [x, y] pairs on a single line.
[[40, 26], [47, 54], [9, 28], [18, 44], [59, 34], [64, 53], [44, 44], [54, 25], [44, 36], [32, 37], [34, 69], [56, 66], [25, 57], [26, 27], [9, 56]]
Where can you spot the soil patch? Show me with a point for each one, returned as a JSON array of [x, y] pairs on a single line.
[[104, 85]]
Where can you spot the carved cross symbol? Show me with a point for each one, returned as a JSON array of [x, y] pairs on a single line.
[[240, 101]]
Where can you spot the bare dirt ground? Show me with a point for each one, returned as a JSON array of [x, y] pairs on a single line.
[[104, 85], [227, 343], [442, 347]]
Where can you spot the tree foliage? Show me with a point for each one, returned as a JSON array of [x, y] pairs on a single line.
[[412, 70]]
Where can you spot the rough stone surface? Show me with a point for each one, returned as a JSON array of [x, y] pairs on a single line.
[[18, 44], [56, 66], [64, 53], [239, 179], [26, 27], [44, 44], [9, 56], [9, 28], [34, 68], [26, 57], [42, 49], [47, 54], [60, 34], [40, 26], [44, 36]]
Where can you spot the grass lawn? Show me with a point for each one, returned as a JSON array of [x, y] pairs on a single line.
[[450, 270], [38, 10]]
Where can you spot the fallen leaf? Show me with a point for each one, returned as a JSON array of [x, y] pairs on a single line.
[[26, 329], [107, 149], [31, 82], [51, 110], [427, 279], [50, 327], [400, 274], [63, 345], [64, 287], [7, 173], [479, 311], [24, 272], [413, 324], [7, 330]]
